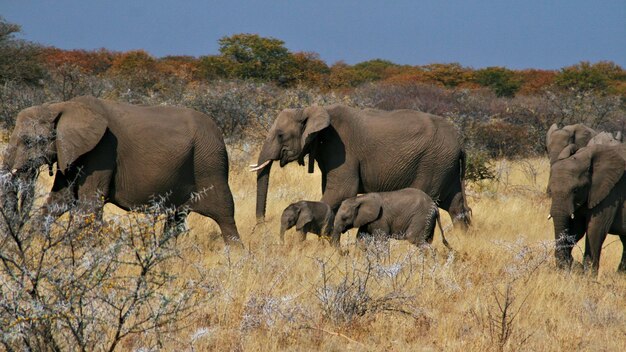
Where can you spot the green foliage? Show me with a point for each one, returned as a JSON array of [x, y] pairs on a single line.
[[479, 166], [19, 59], [503, 82], [589, 77], [343, 75], [214, 67], [374, 70], [259, 58]]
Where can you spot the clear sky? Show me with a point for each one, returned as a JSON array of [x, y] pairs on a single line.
[[514, 33]]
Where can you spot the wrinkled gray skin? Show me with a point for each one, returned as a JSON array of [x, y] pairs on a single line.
[[109, 152], [361, 151], [307, 216], [408, 214], [563, 142], [606, 138], [588, 192]]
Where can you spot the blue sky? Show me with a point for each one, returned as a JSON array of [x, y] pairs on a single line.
[[514, 33]]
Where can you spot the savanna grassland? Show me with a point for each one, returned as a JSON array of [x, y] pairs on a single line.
[[123, 284], [498, 289]]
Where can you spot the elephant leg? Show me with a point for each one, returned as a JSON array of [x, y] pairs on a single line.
[[622, 264], [61, 197], [334, 195], [363, 238], [578, 228], [92, 191], [175, 224], [458, 210], [218, 205], [417, 232], [597, 230]]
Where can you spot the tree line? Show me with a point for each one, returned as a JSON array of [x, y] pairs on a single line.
[[262, 59]]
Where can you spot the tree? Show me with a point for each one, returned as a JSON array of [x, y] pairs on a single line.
[[503, 82], [137, 68], [534, 81], [19, 59], [310, 69], [259, 58], [589, 77], [213, 67], [448, 75], [343, 75], [374, 70]]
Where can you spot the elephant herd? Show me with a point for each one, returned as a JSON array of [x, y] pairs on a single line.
[[383, 172]]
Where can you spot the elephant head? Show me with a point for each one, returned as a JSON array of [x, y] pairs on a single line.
[[291, 137], [558, 139], [356, 212], [580, 182], [50, 133], [296, 214]]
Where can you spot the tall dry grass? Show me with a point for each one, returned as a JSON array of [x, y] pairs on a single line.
[[498, 290]]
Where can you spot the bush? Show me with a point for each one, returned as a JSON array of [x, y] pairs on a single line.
[[19, 59], [81, 283], [499, 79]]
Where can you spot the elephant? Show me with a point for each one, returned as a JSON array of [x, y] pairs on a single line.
[[562, 142], [362, 151], [408, 214], [588, 191], [127, 155], [606, 138], [307, 216]]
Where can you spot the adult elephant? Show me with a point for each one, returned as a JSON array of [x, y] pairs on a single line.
[[561, 142], [588, 191], [361, 151], [127, 155]]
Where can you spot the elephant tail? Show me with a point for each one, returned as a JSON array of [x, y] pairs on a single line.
[[467, 211], [443, 236]]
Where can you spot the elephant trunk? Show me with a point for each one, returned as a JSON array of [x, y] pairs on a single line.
[[263, 179], [269, 153], [563, 236]]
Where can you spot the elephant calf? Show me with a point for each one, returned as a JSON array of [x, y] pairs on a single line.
[[405, 214], [307, 216]]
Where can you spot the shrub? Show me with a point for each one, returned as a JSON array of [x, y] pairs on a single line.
[[81, 283]]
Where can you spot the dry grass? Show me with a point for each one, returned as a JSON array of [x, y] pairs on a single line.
[[499, 289]]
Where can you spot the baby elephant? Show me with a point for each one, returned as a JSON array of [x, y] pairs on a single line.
[[408, 214], [307, 216]]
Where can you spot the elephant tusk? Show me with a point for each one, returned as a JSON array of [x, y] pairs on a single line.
[[254, 165], [549, 216], [259, 167], [13, 172], [572, 216]]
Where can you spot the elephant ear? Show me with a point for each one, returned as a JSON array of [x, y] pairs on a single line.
[[316, 119], [607, 168], [553, 128], [78, 130], [582, 135], [567, 152], [368, 210], [304, 218]]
